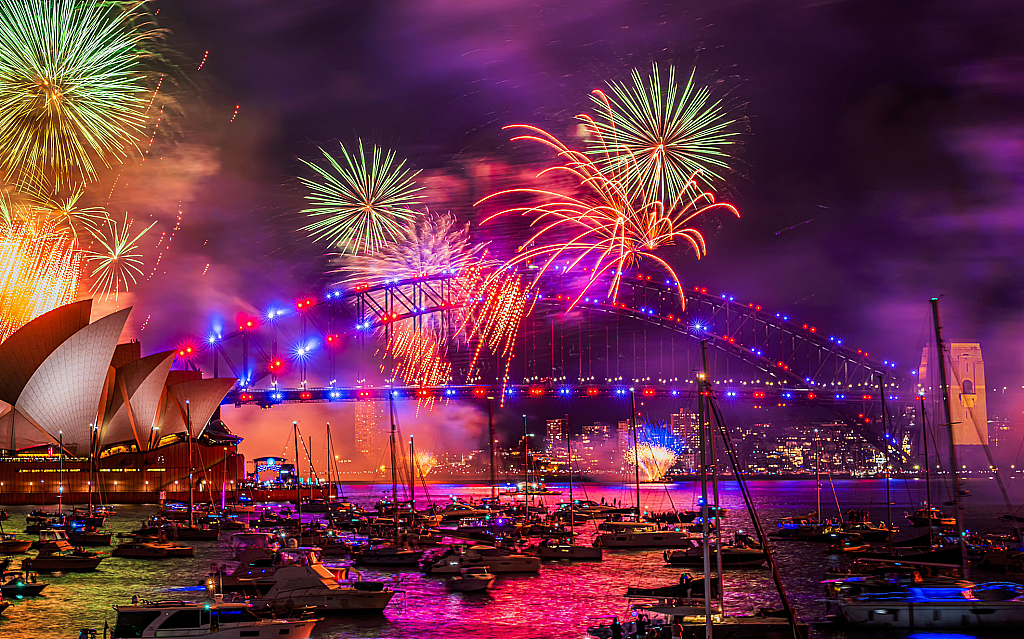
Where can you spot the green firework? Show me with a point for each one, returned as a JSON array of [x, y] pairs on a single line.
[[654, 134], [73, 89], [362, 202]]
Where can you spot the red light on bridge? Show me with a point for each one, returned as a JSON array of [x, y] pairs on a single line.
[[535, 391], [757, 308], [811, 396], [333, 339], [304, 303], [648, 392], [305, 395], [479, 392], [364, 393], [245, 397], [423, 392], [758, 394], [865, 398], [592, 391]]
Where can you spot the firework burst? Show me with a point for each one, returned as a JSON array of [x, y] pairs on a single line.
[[425, 462], [428, 245], [658, 134], [72, 85], [610, 221], [361, 203], [118, 261], [40, 269], [655, 460]]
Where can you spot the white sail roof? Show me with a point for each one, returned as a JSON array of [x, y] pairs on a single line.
[[65, 391], [143, 381]]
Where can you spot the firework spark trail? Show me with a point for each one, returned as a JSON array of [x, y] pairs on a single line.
[[362, 203], [659, 136], [40, 270], [425, 462], [420, 358], [612, 225], [72, 85], [655, 460], [119, 262]]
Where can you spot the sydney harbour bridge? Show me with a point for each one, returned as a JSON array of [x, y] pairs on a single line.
[[330, 348]]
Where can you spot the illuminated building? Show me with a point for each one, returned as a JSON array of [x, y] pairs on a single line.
[[556, 433], [67, 382], [369, 420], [967, 399]]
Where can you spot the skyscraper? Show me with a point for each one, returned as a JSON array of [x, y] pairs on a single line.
[[556, 434], [684, 428], [368, 420]]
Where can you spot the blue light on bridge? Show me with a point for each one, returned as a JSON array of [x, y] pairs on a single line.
[[335, 395], [449, 392], [564, 391], [675, 393], [730, 393], [840, 396], [787, 395], [620, 391]]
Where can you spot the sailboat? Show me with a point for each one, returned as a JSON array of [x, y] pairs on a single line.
[[715, 622], [640, 534], [567, 548], [913, 603], [393, 556]]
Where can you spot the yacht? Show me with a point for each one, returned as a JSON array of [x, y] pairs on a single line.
[[955, 604], [565, 549], [471, 580], [645, 537], [930, 517], [16, 583], [304, 582], [62, 556], [139, 550], [11, 544], [217, 620], [742, 553], [240, 542], [496, 560]]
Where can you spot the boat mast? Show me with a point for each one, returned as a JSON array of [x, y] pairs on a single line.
[[191, 504], [298, 477], [702, 435], [330, 462], [572, 517], [394, 469], [92, 449], [490, 439], [714, 486], [526, 468], [412, 474], [952, 444], [636, 449], [885, 428], [927, 472], [817, 472]]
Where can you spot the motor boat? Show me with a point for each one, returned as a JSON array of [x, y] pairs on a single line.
[[217, 620], [140, 550], [496, 560], [932, 605], [930, 517], [253, 564], [175, 549], [744, 552], [11, 544], [565, 549], [302, 581], [62, 556], [240, 542], [17, 583], [389, 556], [798, 527], [4, 515], [645, 537], [82, 533], [689, 615], [689, 587], [475, 579]]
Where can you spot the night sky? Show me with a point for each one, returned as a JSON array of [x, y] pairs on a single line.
[[881, 165]]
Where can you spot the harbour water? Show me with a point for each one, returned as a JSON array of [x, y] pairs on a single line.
[[556, 603]]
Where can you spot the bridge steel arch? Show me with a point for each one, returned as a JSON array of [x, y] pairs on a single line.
[[802, 364]]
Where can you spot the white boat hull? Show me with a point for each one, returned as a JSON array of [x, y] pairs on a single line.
[[659, 539], [932, 614], [331, 601]]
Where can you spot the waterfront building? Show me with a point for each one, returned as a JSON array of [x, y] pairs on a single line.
[[967, 397], [70, 390], [557, 431]]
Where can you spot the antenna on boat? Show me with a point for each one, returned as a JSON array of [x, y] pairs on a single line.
[[885, 429]]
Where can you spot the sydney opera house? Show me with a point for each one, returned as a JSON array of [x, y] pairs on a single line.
[[80, 411]]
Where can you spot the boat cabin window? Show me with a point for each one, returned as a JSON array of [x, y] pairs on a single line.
[[236, 615], [192, 618], [133, 623]]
